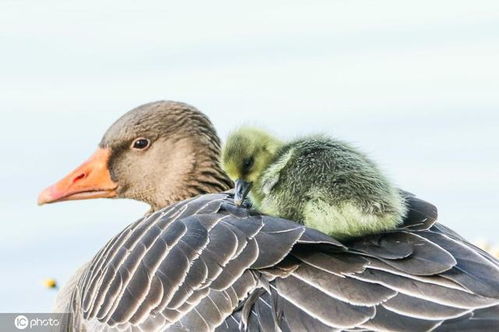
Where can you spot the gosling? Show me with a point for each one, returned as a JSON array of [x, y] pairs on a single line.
[[318, 181]]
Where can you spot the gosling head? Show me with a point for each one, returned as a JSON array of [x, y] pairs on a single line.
[[245, 156]]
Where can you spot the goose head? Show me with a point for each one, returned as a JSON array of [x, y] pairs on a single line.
[[158, 153], [245, 156]]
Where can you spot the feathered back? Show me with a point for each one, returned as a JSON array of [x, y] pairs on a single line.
[[203, 264]]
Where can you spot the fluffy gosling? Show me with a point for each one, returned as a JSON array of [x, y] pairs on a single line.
[[321, 182]]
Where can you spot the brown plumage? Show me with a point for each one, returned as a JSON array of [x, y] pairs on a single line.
[[184, 144]]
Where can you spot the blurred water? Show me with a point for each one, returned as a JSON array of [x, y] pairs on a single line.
[[415, 86]]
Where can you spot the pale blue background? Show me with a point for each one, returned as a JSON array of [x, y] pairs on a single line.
[[413, 83]]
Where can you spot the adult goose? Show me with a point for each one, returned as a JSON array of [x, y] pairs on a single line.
[[196, 262]]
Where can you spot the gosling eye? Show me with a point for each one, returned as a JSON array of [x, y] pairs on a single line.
[[247, 163], [141, 143]]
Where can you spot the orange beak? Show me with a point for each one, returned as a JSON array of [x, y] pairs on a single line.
[[91, 180]]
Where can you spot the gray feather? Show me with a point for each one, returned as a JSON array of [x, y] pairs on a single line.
[[201, 263]]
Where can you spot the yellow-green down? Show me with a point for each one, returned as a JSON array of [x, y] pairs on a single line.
[[321, 182]]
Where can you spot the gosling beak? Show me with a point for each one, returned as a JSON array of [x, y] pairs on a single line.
[[90, 180], [241, 190]]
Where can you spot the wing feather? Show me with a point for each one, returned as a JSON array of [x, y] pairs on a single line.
[[204, 264], [473, 270]]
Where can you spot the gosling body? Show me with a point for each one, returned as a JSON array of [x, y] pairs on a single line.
[[321, 182]]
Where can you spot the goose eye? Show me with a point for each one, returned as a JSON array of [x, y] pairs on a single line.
[[247, 163], [141, 143]]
